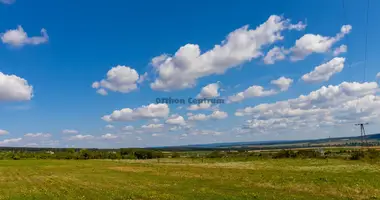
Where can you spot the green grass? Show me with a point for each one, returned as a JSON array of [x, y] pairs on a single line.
[[189, 179]]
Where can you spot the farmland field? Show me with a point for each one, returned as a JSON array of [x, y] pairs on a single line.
[[189, 179]]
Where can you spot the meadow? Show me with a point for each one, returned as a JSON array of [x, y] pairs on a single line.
[[171, 178]]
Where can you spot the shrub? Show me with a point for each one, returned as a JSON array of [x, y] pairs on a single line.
[[285, 154], [129, 156], [373, 154], [215, 154], [175, 155], [357, 155], [307, 153], [16, 157]]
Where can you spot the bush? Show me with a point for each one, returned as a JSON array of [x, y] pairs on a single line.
[[175, 155], [357, 155], [284, 154], [16, 157], [84, 154], [215, 154], [307, 153], [373, 154], [157, 154], [143, 154], [129, 156]]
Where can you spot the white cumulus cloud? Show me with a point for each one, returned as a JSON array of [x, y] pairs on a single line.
[[10, 141], [127, 128], [109, 126], [81, 137], [150, 126], [339, 50], [109, 136], [242, 45], [70, 131], [176, 120], [253, 91], [201, 106], [331, 105], [209, 91], [14, 88], [311, 43], [198, 117], [3, 132], [119, 79], [378, 75], [38, 135], [144, 112], [276, 53], [217, 114], [325, 71], [282, 83], [18, 37], [205, 132]]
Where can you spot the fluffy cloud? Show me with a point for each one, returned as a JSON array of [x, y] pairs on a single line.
[[37, 135], [81, 137], [276, 53], [205, 132], [144, 77], [119, 79], [218, 115], [109, 136], [242, 45], [152, 126], [343, 103], [198, 117], [127, 128], [14, 88], [18, 37], [310, 43], [10, 141], [324, 72], [48, 143], [70, 131], [253, 91], [176, 120], [3, 132], [201, 106], [378, 75], [100, 91], [209, 91], [144, 112], [109, 126], [175, 128], [215, 115], [282, 83], [339, 50]]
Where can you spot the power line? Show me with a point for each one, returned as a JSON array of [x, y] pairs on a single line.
[[362, 130], [366, 43]]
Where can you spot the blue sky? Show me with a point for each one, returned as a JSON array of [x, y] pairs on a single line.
[[82, 41]]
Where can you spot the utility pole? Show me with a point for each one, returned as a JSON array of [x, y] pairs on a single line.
[[362, 134]]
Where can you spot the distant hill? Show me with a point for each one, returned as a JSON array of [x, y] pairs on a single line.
[[281, 143]]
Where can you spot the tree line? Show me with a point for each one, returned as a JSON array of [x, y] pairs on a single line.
[[141, 153], [82, 154]]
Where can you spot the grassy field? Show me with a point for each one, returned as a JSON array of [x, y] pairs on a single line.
[[186, 179]]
